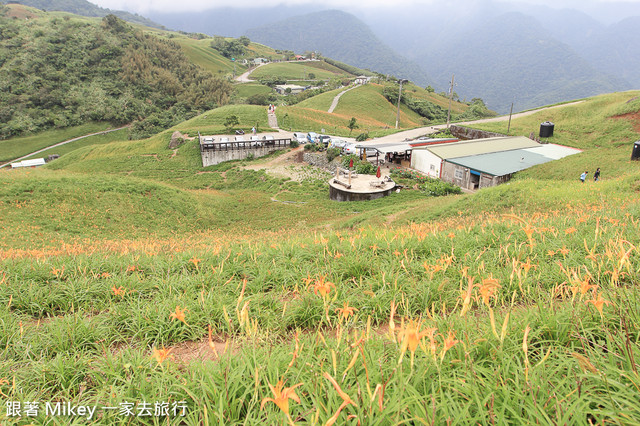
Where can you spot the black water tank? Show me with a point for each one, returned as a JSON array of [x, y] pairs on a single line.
[[635, 154], [546, 129]]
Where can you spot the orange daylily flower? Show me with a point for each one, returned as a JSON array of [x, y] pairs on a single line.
[[599, 303], [179, 315], [282, 396], [323, 287], [488, 289], [120, 291], [449, 342], [161, 354], [569, 230], [346, 311], [410, 337], [195, 261]]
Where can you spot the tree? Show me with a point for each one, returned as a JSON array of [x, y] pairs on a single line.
[[352, 125], [430, 89], [230, 121], [244, 40], [312, 76]]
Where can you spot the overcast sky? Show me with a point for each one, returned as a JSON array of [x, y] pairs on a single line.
[[143, 6]]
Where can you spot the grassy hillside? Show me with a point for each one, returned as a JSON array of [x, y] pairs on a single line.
[[600, 126], [298, 70], [13, 148], [129, 274], [200, 53], [63, 71]]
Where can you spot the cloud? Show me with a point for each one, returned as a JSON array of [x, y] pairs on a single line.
[[143, 6]]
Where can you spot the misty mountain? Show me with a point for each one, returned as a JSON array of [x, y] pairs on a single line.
[[84, 8], [338, 35], [512, 58], [229, 21]]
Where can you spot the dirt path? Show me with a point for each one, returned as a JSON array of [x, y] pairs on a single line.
[[286, 165], [244, 78]]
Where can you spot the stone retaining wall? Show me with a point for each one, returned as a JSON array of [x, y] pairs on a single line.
[[466, 133]]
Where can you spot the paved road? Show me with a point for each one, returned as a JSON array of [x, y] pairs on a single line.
[[334, 104], [424, 131], [61, 143]]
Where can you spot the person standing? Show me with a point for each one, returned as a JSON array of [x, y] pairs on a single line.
[[596, 175], [583, 176]]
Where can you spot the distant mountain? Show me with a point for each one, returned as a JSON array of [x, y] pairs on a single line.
[[512, 58], [84, 8], [229, 21], [341, 36]]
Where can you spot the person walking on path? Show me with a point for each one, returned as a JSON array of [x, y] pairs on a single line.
[[253, 130], [596, 175], [583, 176]]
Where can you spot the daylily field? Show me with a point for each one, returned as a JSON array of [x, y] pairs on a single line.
[[515, 305]]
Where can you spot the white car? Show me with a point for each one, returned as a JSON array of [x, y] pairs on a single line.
[[208, 140], [224, 139], [239, 139], [350, 148], [337, 143], [299, 137]]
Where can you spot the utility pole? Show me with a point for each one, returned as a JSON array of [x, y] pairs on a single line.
[[399, 96], [510, 112], [450, 99]]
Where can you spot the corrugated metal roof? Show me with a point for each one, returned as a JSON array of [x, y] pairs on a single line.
[[387, 147], [511, 161], [480, 146]]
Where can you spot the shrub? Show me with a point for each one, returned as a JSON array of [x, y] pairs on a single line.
[[437, 188], [311, 147], [333, 153], [347, 159], [365, 168], [362, 137]]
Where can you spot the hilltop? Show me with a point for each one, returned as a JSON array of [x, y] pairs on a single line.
[[84, 8]]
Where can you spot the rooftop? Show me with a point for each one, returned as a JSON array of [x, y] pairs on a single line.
[[514, 160], [480, 146]]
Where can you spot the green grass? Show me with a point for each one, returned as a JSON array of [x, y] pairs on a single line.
[[591, 126], [515, 305], [100, 139], [298, 70], [13, 148], [245, 90], [212, 122], [201, 53], [321, 102]]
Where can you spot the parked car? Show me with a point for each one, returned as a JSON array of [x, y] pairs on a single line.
[[299, 137], [324, 140], [337, 143], [350, 148], [239, 138], [312, 137], [208, 139], [224, 139], [268, 138], [255, 138]]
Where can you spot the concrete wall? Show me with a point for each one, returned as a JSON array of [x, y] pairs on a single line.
[[461, 176], [338, 194], [467, 133], [212, 157], [423, 160]]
